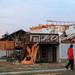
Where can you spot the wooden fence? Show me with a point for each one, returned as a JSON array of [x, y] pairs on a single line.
[[7, 45]]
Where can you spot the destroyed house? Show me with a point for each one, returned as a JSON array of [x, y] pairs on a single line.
[[48, 47], [46, 51]]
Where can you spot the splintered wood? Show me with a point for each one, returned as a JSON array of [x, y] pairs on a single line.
[[32, 53]]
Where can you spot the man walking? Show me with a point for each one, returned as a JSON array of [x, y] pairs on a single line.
[[70, 58]]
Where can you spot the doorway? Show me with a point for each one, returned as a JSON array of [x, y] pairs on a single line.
[[47, 53]]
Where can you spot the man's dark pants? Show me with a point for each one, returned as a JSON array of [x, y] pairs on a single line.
[[71, 64]]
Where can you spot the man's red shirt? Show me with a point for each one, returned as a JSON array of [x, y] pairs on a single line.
[[70, 53]]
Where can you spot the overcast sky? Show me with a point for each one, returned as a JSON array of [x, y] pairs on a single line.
[[22, 14]]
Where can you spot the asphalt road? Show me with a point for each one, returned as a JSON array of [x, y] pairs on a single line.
[[36, 69], [61, 71]]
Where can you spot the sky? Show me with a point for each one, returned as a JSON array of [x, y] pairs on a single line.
[[23, 14]]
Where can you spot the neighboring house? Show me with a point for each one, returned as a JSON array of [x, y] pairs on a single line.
[[12, 42], [64, 45]]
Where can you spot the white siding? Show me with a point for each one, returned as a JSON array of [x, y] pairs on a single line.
[[2, 53], [63, 50]]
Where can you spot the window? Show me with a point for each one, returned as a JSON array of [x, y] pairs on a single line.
[[35, 39]]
